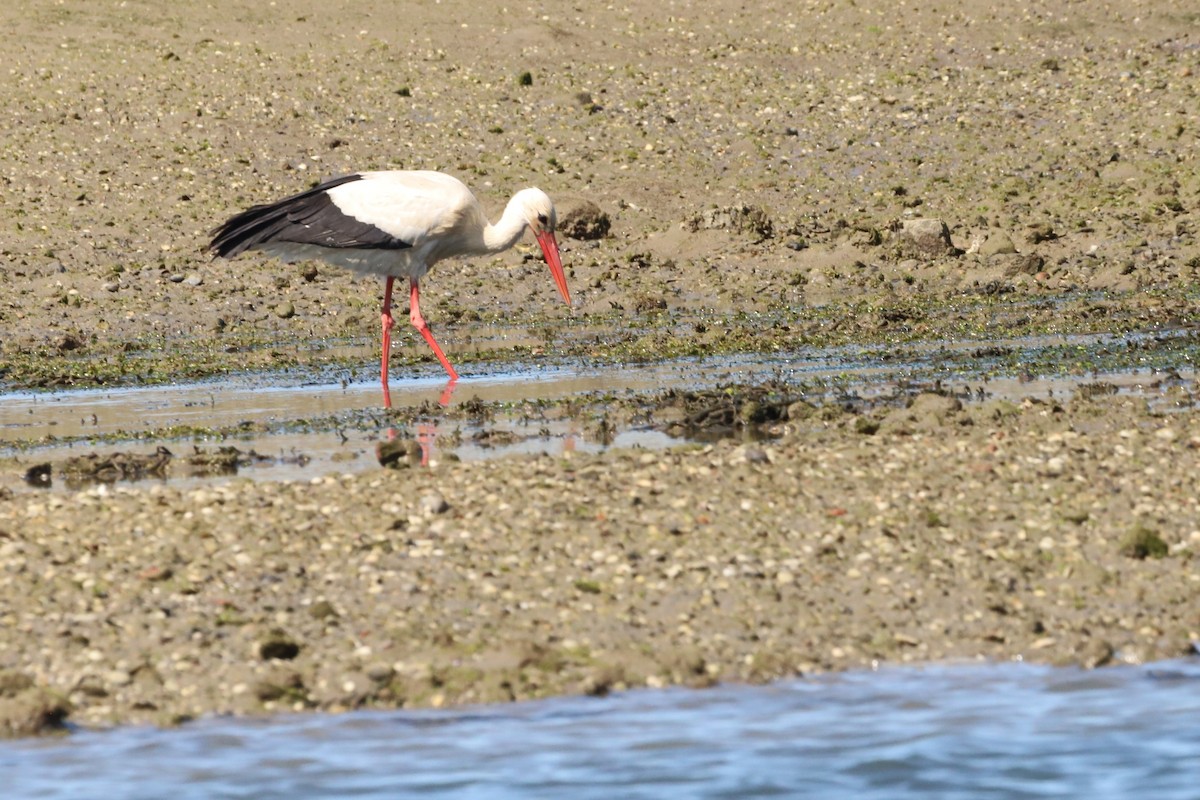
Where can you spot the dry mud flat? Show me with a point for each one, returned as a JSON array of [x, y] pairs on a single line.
[[1065, 534]]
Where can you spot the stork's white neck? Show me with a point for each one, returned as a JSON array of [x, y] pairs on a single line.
[[505, 233]]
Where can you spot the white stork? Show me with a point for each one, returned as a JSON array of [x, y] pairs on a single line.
[[395, 224]]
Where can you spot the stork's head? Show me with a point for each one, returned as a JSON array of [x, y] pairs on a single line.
[[539, 213]]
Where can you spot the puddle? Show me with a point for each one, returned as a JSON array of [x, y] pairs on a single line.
[[297, 426]]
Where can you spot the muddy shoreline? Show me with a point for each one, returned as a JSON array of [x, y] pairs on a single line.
[[1061, 534], [803, 176]]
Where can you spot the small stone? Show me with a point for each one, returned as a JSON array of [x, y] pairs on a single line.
[[585, 221], [266, 691], [155, 573], [278, 646], [1041, 232], [866, 426], [997, 243], [433, 503], [926, 237], [322, 609], [1166, 434], [749, 454], [40, 475], [118, 677], [68, 342], [193, 279], [279, 686], [398, 453], [1023, 264], [111, 286], [380, 673], [285, 311], [1142, 543], [30, 710], [91, 686], [1096, 653]]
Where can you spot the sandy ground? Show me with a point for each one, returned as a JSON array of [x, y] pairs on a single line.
[[765, 171]]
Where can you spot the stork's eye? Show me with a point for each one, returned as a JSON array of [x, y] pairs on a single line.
[[543, 219]]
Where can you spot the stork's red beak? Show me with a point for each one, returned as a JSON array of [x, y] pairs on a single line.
[[550, 251]]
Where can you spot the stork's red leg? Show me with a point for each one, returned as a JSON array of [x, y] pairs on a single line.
[[419, 323], [386, 319]]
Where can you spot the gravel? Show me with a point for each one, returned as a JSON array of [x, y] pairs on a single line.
[[1037, 532]]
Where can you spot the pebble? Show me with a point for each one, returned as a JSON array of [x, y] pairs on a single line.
[[997, 243], [380, 673], [433, 503], [118, 677], [928, 237]]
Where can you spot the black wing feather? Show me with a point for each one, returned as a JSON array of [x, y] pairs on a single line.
[[310, 217]]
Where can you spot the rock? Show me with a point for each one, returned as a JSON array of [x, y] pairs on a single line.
[[1042, 232], [1142, 543], [27, 709], [380, 672], [926, 237], [68, 342], [285, 310], [866, 426], [749, 454], [284, 685], [118, 677], [193, 279], [997, 243], [40, 475], [398, 453], [278, 645], [433, 503], [323, 610], [1022, 264], [1096, 653], [585, 221]]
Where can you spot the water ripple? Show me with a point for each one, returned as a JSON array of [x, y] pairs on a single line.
[[983, 731]]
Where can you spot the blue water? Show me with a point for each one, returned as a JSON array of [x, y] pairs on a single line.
[[991, 731]]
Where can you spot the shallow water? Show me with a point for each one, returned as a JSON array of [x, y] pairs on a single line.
[[970, 731], [311, 424]]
